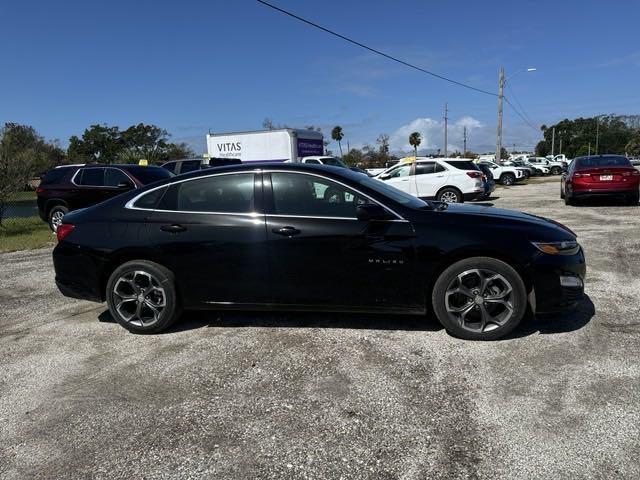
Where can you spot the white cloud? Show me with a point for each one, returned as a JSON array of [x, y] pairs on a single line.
[[480, 136]]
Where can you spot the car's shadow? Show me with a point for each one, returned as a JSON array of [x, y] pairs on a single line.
[[569, 321], [191, 320], [603, 202]]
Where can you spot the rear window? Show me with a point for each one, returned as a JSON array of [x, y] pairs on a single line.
[[151, 199], [55, 175], [603, 161], [462, 164], [171, 166], [149, 174]]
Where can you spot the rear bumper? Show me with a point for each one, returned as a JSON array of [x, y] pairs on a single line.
[[596, 192], [78, 275], [558, 281]]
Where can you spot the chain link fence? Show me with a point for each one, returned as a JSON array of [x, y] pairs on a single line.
[[20, 210]]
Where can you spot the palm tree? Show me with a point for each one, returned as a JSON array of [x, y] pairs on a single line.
[[337, 135], [415, 139]]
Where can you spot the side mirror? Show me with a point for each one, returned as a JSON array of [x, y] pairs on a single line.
[[126, 185], [371, 211], [384, 176]]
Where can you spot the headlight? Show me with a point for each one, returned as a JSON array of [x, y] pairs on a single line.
[[558, 248]]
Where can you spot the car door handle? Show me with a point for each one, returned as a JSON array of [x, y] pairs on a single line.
[[286, 231], [175, 228], [440, 176]]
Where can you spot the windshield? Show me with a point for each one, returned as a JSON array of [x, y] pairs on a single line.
[[392, 192]]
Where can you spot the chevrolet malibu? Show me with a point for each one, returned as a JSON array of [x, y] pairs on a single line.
[[306, 237]]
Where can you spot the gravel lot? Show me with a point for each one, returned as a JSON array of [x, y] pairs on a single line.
[[309, 396]]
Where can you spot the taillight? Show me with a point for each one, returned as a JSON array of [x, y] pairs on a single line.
[[63, 230], [474, 174], [628, 174], [39, 190], [580, 175]]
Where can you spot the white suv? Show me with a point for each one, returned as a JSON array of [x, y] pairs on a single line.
[[451, 180], [505, 174], [555, 167]]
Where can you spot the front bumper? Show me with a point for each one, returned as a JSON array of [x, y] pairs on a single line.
[[558, 281]]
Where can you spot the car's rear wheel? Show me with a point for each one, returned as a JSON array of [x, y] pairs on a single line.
[[449, 195], [56, 214], [142, 297], [507, 179], [556, 170], [568, 199], [479, 298], [561, 191], [633, 198]]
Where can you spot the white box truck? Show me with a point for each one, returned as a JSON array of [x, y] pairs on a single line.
[[281, 145]]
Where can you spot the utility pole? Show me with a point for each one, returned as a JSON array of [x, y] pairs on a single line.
[[553, 141], [499, 127], [597, 132], [589, 149], [464, 136], [446, 119], [560, 152]]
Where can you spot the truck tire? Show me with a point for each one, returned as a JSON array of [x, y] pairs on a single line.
[[556, 170]]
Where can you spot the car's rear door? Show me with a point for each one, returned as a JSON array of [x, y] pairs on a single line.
[[88, 187], [322, 257], [430, 177], [210, 233]]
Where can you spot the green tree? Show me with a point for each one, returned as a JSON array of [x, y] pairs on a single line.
[[99, 143], [633, 147], [23, 155], [353, 157], [337, 135], [415, 139]]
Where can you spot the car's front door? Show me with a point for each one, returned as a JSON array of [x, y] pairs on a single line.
[[116, 182], [208, 232], [322, 257], [430, 177], [401, 178]]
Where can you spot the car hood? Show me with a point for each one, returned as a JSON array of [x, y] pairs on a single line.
[[502, 213]]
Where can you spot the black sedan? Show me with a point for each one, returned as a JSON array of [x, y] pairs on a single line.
[[305, 237]]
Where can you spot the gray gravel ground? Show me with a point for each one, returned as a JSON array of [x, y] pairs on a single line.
[[315, 396]]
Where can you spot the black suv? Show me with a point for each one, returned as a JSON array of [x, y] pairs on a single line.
[[70, 187]]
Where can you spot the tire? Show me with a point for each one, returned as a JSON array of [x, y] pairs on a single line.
[[633, 199], [556, 171], [508, 179], [561, 192], [568, 200], [55, 216], [450, 195], [126, 290], [469, 316]]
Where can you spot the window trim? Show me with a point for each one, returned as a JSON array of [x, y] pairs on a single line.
[[284, 215], [73, 179]]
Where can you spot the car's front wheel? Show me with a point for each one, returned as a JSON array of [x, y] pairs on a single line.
[[142, 297], [479, 298]]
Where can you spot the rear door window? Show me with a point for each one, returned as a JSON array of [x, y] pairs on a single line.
[[114, 177], [170, 166], [91, 177], [425, 168]]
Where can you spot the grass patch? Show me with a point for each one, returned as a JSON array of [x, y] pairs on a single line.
[[23, 196], [25, 234]]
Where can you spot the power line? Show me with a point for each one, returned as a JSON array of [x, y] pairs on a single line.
[[362, 45], [515, 98], [520, 115]]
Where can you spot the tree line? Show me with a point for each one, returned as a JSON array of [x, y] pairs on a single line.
[[584, 136]]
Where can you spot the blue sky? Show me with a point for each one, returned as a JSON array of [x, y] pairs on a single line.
[[225, 65]]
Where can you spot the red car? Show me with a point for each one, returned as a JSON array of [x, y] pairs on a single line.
[[600, 175]]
